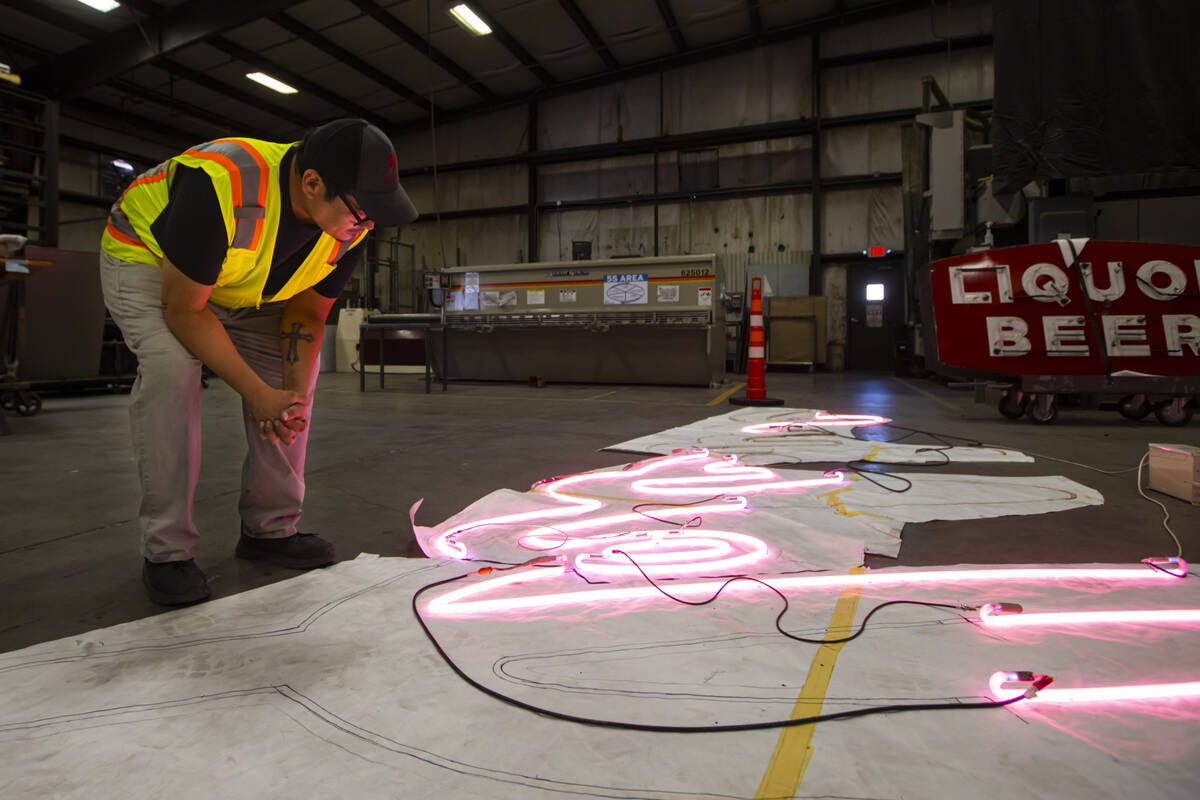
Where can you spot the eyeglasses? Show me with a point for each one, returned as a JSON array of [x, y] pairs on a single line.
[[363, 220]]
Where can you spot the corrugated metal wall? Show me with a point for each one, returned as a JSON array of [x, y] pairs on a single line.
[[768, 84]]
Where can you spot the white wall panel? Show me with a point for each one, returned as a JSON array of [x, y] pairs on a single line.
[[607, 177], [613, 113], [484, 240], [85, 225], [767, 84], [857, 218], [491, 136], [934, 23], [771, 161], [467, 189], [860, 150], [896, 83], [624, 231]]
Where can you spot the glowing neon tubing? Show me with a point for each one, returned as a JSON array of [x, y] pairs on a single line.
[[1173, 616], [460, 601], [821, 420], [721, 473], [545, 538], [1096, 694], [575, 506], [656, 564]]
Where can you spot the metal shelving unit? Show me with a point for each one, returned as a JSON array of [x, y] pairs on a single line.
[[28, 165]]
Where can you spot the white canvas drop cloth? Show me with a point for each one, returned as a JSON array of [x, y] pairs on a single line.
[[822, 442]]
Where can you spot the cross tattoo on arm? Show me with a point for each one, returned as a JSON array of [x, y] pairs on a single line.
[[293, 354]]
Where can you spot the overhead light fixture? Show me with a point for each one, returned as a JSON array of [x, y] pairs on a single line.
[[122, 165], [271, 83], [101, 5], [465, 15]]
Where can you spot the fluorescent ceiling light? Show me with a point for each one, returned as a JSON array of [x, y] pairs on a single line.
[[271, 83], [101, 5], [467, 17]]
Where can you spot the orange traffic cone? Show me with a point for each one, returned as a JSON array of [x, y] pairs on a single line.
[[756, 364]]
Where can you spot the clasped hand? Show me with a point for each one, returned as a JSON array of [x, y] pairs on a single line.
[[281, 414]]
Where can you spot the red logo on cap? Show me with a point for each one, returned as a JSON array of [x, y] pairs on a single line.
[[391, 163]]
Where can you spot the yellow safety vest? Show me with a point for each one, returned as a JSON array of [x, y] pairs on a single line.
[[245, 173]]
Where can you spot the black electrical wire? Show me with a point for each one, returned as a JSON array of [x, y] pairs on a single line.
[[652, 728], [779, 619], [691, 523]]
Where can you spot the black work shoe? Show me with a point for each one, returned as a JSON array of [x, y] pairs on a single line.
[[175, 583], [298, 551]]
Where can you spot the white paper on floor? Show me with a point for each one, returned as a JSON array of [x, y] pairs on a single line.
[[807, 519], [325, 684], [812, 436], [936, 496]]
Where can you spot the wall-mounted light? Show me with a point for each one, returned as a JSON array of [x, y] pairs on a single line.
[[271, 83], [465, 15], [101, 5]]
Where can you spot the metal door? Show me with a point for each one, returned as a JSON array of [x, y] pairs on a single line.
[[874, 307]]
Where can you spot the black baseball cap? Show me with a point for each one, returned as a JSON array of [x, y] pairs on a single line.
[[355, 157]]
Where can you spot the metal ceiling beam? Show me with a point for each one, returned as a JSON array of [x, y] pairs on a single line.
[[60, 20], [302, 31], [66, 22], [135, 125], [200, 113], [176, 27], [233, 93], [585, 27], [755, 15], [750, 41], [422, 46], [664, 9], [513, 46], [296, 80], [129, 88]]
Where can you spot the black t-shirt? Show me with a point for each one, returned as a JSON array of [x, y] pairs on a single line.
[[191, 233]]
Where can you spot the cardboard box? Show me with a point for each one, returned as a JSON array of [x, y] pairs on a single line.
[[1175, 470], [796, 330]]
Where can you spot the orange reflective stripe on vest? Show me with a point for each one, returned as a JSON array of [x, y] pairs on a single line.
[[246, 170]]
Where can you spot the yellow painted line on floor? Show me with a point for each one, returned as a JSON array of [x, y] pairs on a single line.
[[930, 395], [794, 749], [725, 395], [833, 499]]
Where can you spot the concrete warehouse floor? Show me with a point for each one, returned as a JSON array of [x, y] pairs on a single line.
[[69, 561]]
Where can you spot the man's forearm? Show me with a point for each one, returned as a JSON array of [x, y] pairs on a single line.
[[300, 338], [202, 334]]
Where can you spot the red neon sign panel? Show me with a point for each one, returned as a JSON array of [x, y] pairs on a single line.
[[1043, 310]]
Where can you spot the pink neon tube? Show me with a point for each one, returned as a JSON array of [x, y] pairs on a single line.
[[724, 477], [677, 555], [446, 542], [473, 598], [1094, 694], [821, 420], [1173, 616]]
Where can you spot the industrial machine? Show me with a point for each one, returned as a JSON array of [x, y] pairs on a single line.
[[623, 320]]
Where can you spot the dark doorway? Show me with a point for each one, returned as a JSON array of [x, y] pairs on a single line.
[[874, 307]]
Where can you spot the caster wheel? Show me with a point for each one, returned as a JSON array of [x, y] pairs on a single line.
[[1042, 409], [1174, 412], [1013, 404], [27, 404], [1134, 407], [8, 400]]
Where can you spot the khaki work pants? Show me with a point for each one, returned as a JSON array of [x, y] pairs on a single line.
[[164, 414]]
